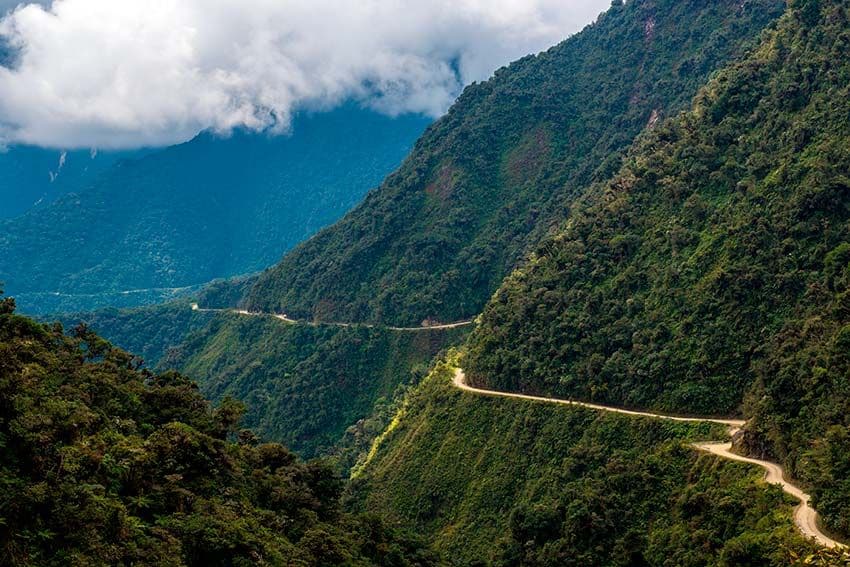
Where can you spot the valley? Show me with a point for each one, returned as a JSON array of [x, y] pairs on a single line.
[[162, 225], [597, 312]]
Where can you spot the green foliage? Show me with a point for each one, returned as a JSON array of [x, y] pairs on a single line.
[[320, 390], [496, 173], [104, 464], [149, 331], [519, 483], [714, 263]]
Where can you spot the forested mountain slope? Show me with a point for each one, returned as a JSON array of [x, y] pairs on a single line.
[[320, 390], [512, 482], [687, 41], [715, 264], [487, 180], [202, 210], [104, 464]]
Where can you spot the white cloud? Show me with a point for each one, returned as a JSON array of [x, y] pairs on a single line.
[[123, 73]]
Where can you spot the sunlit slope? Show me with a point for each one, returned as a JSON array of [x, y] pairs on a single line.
[[523, 482]]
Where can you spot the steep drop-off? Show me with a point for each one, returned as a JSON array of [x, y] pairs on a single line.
[[715, 263], [518, 482]]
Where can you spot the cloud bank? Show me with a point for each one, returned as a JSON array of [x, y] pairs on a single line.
[[128, 73]]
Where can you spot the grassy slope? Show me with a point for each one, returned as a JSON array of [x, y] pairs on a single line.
[[483, 476], [491, 177]]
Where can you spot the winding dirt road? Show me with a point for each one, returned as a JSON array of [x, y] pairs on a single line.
[[460, 382], [286, 319], [805, 517]]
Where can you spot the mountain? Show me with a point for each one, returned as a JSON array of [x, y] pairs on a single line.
[[32, 176], [700, 266], [188, 214], [711, 274], [286, 375], [104, 464], [489, 179], [308, 387]]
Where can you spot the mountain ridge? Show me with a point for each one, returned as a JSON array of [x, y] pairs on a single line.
[[491, 177]]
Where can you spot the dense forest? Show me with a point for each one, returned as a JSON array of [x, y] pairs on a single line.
[[510, 483], [210, 208], [493, 175], [714, 264], [105, 464]]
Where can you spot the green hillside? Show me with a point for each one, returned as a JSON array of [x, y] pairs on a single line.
[[715, 264], [512, 482], [491, 177], [103, 464], [307, 386]]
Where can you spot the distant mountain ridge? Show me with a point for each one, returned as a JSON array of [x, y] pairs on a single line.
[[31, 176], [206, 209]]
